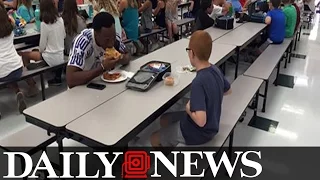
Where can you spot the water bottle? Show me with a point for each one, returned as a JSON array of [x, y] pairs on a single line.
[[37, 17], [90, 10]]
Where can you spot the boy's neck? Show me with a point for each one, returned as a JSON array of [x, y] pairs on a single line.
[[287, 4], [202, 65]]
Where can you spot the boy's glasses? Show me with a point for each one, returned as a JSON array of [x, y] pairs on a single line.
[[188, 49]]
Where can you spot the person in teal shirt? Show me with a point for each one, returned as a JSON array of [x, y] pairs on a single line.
[[291, 17], [25, 10], [130, 23]]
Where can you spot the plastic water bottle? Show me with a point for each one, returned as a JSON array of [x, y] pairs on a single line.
[[37, 17], [90, 10]]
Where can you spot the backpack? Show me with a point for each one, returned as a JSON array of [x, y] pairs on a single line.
[[257, 11]]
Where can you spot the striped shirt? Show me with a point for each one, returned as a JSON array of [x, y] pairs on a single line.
[[86, 54]]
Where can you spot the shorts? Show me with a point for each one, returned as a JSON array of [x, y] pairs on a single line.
[[171, 136], [171, 16], [14, 75]]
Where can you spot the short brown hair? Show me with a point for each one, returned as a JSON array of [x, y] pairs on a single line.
[[48, 12], [201, 45], [286, 1], [6, 27]]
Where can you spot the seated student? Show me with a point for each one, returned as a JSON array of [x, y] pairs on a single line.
[[11, 3], [130, 23], [277, 24], [26, 11], [86, 60], [111, 7], [199, 123], [194, 8], [160, 14], [220, 7], [51, 44], [171, 18], [10, 62], [203, 20], [146, 17], [298, 14], [236, 5], [291, 18], [74, 24]]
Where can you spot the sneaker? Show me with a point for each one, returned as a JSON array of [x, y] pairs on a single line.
[[55, 82], [38, 65], [32, 91], [21, 102]]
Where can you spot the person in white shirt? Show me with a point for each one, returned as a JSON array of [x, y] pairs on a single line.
[[220, 7], [87, 57], [10, 62], [52, 37]]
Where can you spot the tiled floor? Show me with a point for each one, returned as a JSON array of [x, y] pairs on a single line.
[[295, 109]]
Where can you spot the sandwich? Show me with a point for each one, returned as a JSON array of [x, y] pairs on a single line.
[[112, 53]]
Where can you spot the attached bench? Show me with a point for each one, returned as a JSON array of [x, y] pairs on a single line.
[[180, 23], [264, 65], [31, 73], [30, 140], [153, 32], [244, 89]]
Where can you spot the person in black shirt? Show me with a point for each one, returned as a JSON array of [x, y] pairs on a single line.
[[203, 20]]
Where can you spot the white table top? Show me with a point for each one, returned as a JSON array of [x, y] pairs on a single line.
[[233, 105], [117, 117], [71, 104], [111, 121], [266, 62], [242, 34], [216, 33], [31, 31]]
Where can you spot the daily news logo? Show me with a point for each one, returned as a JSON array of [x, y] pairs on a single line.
[[137, 163]]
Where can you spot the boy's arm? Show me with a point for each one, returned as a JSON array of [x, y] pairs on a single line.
[[199, 117], [196, 107], [191, 5], [144, 6], [227, 87], [268, 20]]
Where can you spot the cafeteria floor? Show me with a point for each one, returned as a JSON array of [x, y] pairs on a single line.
[[294, 111]]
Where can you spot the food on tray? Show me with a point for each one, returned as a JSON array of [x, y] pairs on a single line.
[[169, 81], [112, 52], [111, 76], [188, 68]]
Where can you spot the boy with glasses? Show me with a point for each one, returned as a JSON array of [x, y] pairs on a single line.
[[199, 123]]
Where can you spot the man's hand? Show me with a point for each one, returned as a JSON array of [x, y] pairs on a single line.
[[110, 62]]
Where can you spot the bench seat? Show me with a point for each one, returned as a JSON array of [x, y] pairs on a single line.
[[243, 90], [184, 21], [29, 138], [267, 61], [264, 65]]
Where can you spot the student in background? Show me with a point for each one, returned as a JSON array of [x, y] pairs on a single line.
[[130, 23], [11, 3], [11, 66], [146, 17], [73, 24], [199, 123], [277, 24], [111, 7], [298, 14], [51, 45], [160, 14], [203, 20], [171, 17], [291, 17], [26, 11], [220, 7]]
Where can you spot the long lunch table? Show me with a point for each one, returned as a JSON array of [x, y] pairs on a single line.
[[55, 113], [32, 35], [216, 33], [241, 37], [118, 120]]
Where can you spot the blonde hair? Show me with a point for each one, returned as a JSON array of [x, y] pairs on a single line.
[[109, 5]]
